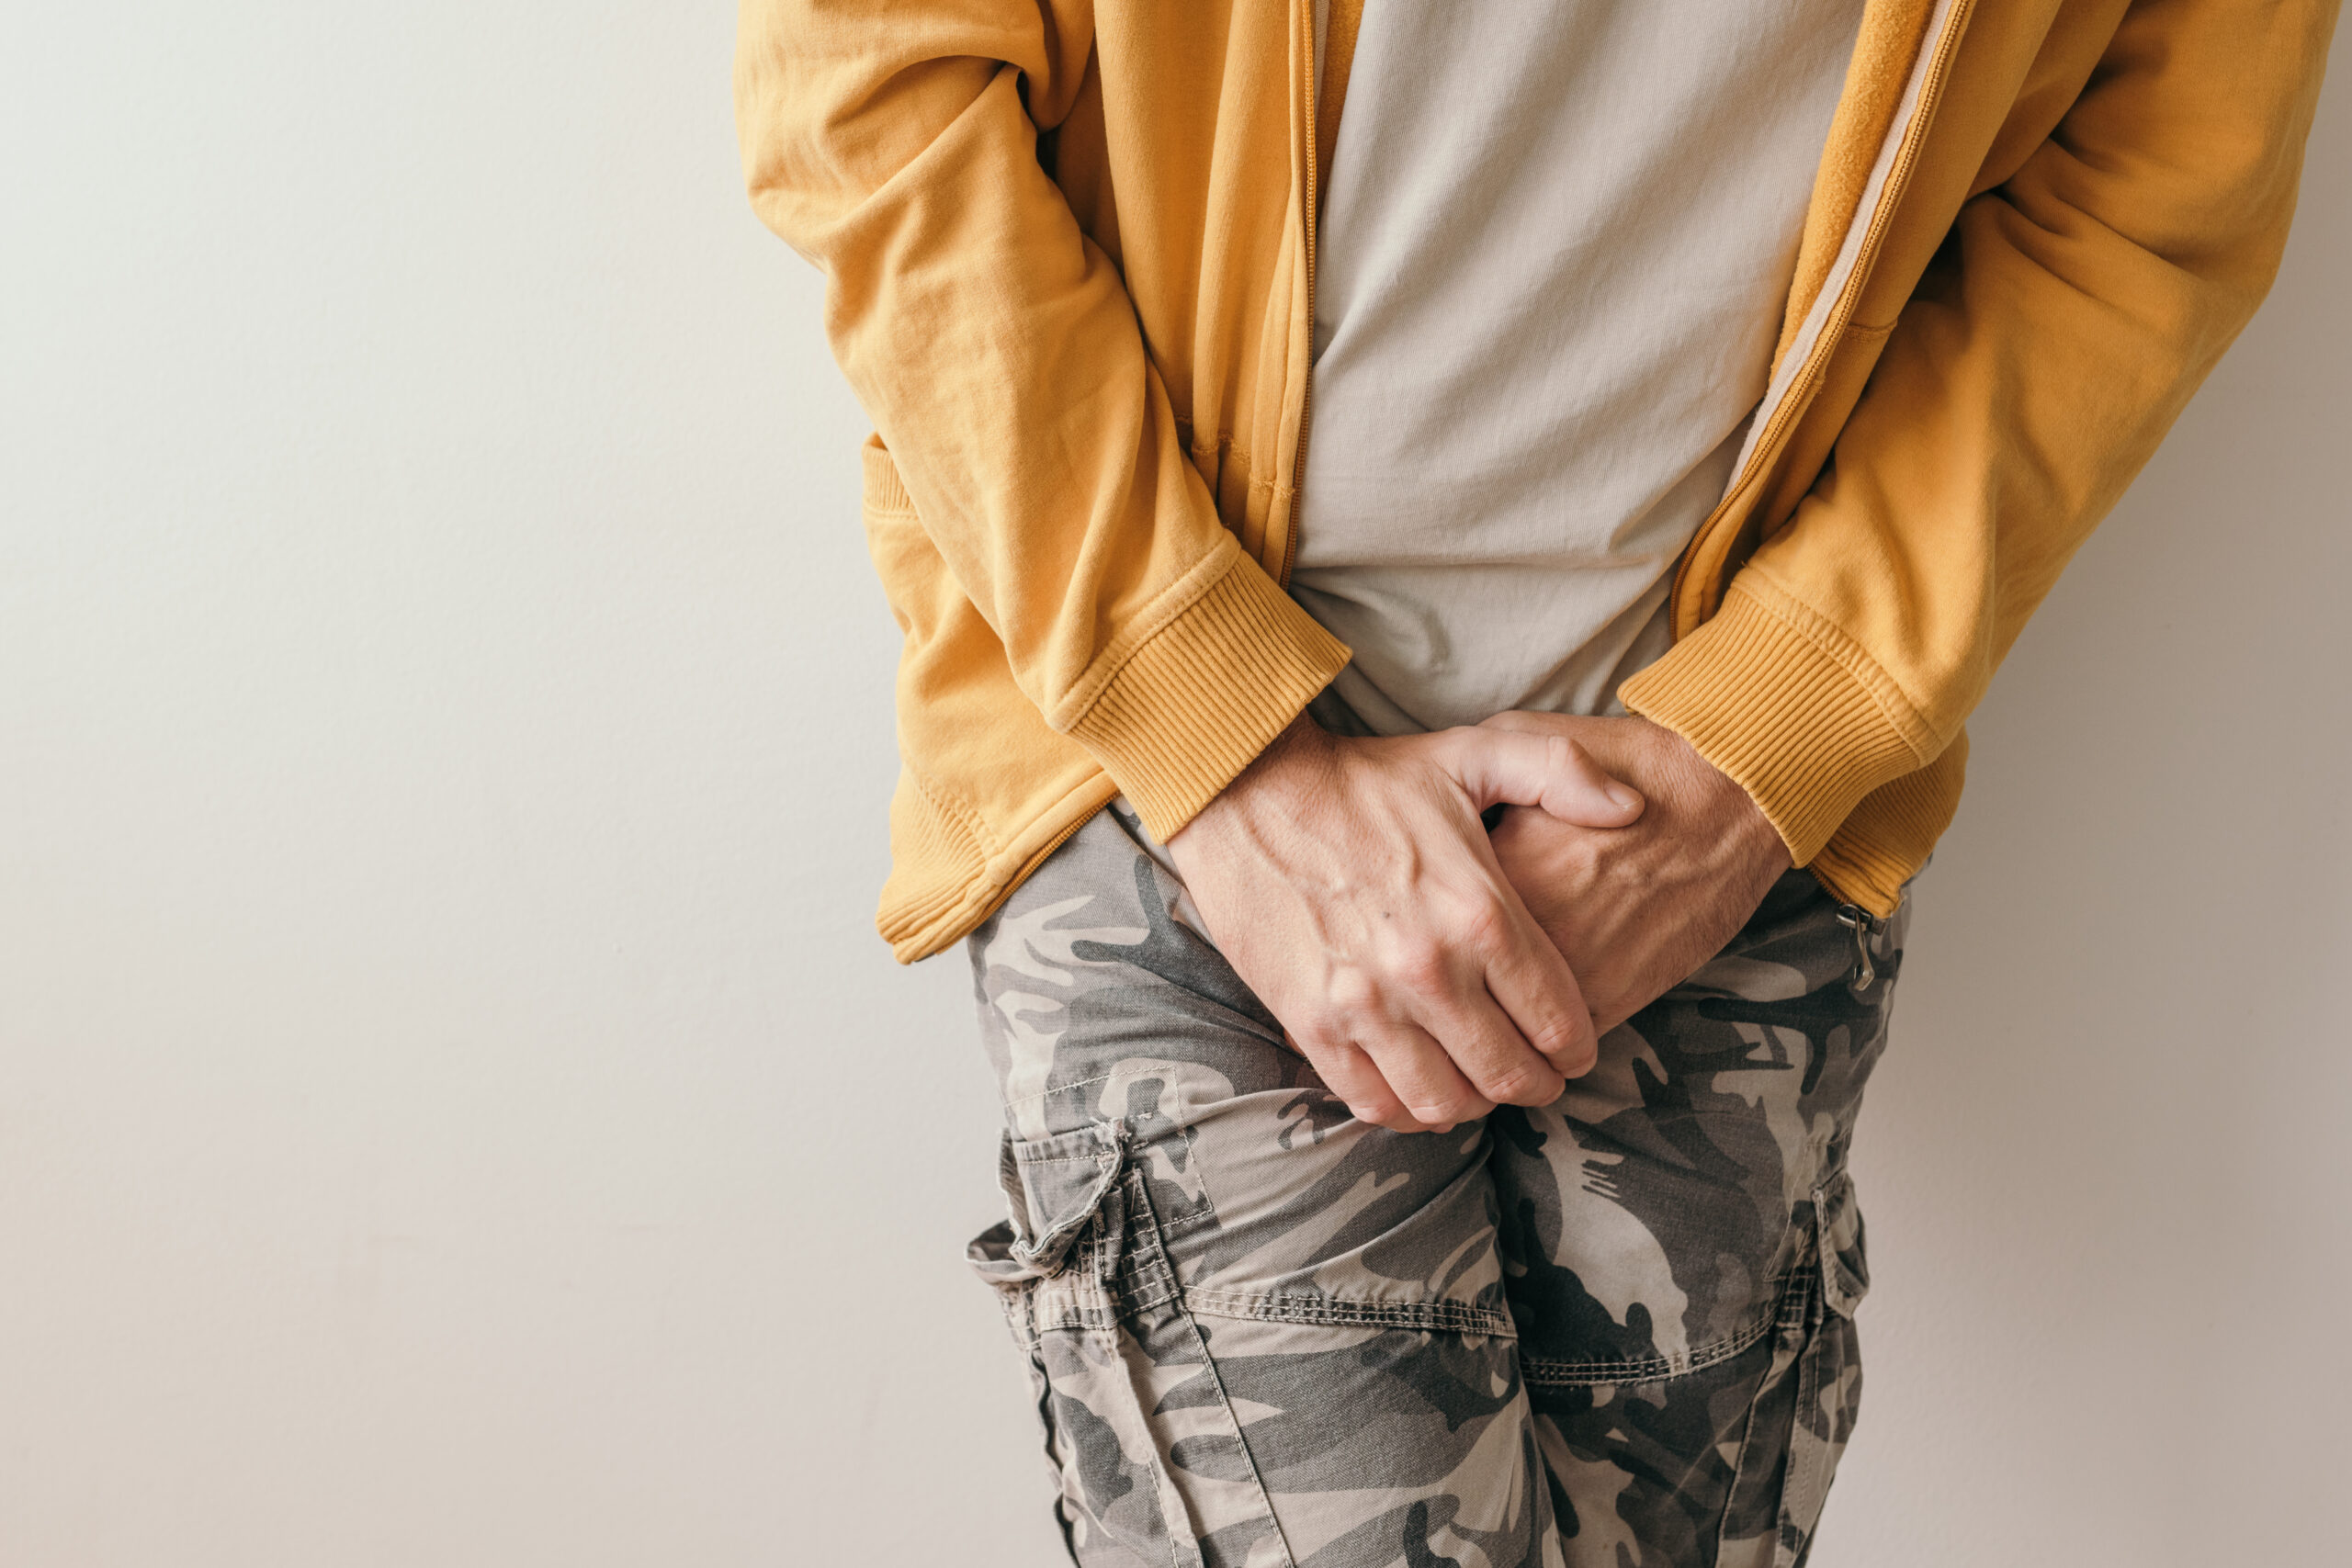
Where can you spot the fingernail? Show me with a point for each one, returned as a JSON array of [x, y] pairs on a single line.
[[1620, 796]]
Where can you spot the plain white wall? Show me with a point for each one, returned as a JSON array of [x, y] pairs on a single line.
[[453, 1108]]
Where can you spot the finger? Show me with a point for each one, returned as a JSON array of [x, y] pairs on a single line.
[[1487, 1049], [1531, 982], [1534, 986], [1423, 1077], [1347, 1072], [1508, 767], [1527, 722]]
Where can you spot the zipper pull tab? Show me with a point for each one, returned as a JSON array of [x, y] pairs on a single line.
[[1855, 919]]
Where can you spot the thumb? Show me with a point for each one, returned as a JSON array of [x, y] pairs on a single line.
[[1506, 767]]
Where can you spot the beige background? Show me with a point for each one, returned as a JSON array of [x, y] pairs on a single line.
[[453, 1110]]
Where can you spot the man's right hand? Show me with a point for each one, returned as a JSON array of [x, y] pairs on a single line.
[[1351, 884]]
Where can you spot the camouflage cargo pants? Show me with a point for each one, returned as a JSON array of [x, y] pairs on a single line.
[[1615, 1330]]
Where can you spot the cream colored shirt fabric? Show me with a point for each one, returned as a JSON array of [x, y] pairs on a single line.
[[1554, 252]]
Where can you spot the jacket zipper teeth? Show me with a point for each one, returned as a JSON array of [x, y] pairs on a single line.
[[1818, 362], [1305, 16], [1065, 836]]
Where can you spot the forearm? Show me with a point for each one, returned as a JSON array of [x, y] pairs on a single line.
[[995, 348], [2076, 308]]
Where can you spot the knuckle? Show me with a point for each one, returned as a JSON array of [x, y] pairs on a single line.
[[1450, 1109], [1523, 1086], [1314, 1039], [1559, 1037], [1419, 962], [1578, 1060], [1486, 925], [1352, 993]]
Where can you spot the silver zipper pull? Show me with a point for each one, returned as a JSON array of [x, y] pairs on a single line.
[[1855, 919]]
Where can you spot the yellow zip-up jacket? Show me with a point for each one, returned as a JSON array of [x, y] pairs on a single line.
[[1070, 267]]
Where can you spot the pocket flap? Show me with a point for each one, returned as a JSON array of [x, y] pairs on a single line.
[[1051, 1188], [1845, 1269]]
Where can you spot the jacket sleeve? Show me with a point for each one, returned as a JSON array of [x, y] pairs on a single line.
[[997, 351], [2073, 311]]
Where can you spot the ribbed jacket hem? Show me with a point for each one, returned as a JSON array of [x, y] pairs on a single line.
[[1198, 700], [1889, 837], [1807, 732], [884, 492], [946, 879]]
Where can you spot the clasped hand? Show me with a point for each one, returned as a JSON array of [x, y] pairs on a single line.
[[1429, 970]]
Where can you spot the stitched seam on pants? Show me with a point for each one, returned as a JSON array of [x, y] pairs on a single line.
[[1191, 1221], [1100, 1077], [1124, 1142], [1797, 1498], [1738, 1473], [1062, 1319], [1796, 1295], [1143, 1229], [1453, 1317], [1127, 1303], [1582, 1374]]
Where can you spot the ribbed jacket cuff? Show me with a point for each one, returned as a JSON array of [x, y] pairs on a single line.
[[1207, 691], [1765, 693]]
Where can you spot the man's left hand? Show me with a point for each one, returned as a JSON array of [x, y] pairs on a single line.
[[1636, 909]]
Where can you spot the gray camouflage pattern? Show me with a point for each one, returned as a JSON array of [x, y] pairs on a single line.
[[1617, 1330]]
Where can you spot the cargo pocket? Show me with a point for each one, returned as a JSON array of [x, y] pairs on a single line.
[[1147, 1460], [1805, 1409], [1053, 1188]]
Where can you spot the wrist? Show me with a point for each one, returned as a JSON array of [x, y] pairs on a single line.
[[1273, 773], [1740, 816], [1760, 842]]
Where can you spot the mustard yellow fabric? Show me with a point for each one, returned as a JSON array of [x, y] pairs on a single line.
[[1068, 262]]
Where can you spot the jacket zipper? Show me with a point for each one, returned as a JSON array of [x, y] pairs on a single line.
[[1304, 16], [1800, 389]]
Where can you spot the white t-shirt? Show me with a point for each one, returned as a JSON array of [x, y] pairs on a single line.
[[1555, 245]]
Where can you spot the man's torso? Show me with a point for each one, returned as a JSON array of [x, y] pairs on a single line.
[[1556, 246]]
